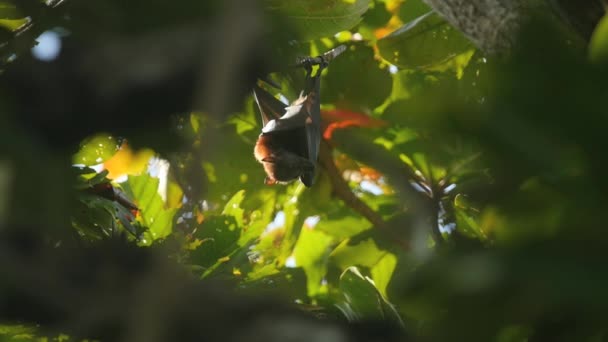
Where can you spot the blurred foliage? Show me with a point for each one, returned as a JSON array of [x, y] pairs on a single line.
[[423, 43], [597, 47], [459, 195]]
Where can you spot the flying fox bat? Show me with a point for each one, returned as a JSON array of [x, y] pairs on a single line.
[[288, 146]]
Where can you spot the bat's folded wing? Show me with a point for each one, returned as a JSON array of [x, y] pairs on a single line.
[[270, 107], [294, 116], [313, 132]]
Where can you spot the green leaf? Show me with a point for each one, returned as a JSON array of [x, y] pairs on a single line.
[[18, 333], [233, 207], [467, 224], [340, 221], [144, 192], [89, 177], [289, 283], [412, 9], [9, 11], [425, 42], [355, 80], [362, 301], [377, 16], [246, 121], [223, 237], [598, 47], [13, 24], [311, 253], [219, 235], [382, 272], [462, 202], [344, 226], [227, 175], [321, 18], [260, 216], [366, 253], [293, 222], [97, 217], [262, 272], [96, 149]]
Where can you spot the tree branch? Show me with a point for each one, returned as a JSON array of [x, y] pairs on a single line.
[[343, 191]]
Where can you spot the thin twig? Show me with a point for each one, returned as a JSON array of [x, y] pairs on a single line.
[[343, 191]]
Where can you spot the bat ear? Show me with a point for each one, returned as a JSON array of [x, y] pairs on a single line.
[[270, 108]]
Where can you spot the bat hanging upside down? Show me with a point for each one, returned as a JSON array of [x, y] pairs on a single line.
[[288, 146]]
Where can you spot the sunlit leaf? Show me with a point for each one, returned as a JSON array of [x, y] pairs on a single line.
[[9, 11], [175, 195], [144, 192], [468, 225], [382, 272], [343, 224], [365, 253], [264, 202], [598, 47], [293, 222], [219, 235], [423, 43], [321, 18], [13, 24], [311, 253], [362, 301], [24, 333], [233, 207], [96, 149], [127, 162], [231, 168]]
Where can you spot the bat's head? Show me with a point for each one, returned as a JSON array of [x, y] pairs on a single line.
[[282, 165]]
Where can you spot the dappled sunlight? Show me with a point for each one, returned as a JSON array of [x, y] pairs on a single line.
[[353, 170]]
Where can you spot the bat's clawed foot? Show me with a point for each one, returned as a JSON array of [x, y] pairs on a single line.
[[308, 71], [308, 62]]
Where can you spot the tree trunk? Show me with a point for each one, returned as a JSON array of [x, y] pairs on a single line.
[[493, 25]]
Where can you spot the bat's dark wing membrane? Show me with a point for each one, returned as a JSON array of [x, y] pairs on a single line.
[[270, 107], [294, 116], [305, 110], [313, 123]]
